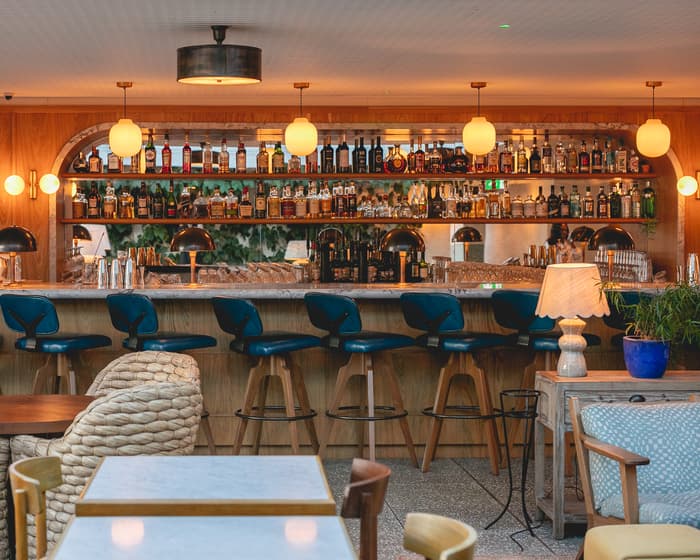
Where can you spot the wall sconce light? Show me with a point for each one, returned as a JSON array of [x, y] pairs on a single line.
[[479, 135], [687, 185], [300, 136], [48, 184], [653, 137], [125, 136]]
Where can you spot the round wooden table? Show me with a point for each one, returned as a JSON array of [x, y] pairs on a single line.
[[39, 414]]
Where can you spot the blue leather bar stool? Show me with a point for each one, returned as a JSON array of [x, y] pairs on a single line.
[[136, 315], [440, 317], [36, 318], [617, 319], [364, 354], [269, 354]]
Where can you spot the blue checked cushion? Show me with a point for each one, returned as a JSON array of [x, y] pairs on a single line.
[[669, 435]]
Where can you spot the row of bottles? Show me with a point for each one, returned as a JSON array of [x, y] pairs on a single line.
[[346, 200], [605, 156]]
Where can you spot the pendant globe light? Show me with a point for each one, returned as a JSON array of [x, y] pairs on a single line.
[[479, 135], [300, 136], [125, 136], [653, 137]]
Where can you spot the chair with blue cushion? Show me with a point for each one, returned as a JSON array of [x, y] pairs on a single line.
[[36, 318], [440, 317], [269, 354], [136, 315], [365, 354]]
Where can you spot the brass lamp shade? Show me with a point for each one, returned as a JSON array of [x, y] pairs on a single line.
[[402, 239], [192, 239], [466, 234], [81, 232], [611, 237], [16, 239]]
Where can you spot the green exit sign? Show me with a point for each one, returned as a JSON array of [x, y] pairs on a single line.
[[494, 184]]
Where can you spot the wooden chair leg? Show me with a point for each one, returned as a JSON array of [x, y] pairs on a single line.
[[362, 427], [304, 403], [44, 376], [206, 428], [288, 391], [255, 376], [441, 394], [262, 401], [65, 375], [483, 394], [368, 371], [344, 375]]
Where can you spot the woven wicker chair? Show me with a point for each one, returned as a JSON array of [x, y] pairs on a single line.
[[154, 419]]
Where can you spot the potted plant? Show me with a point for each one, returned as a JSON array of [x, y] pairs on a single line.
[[657, 324]]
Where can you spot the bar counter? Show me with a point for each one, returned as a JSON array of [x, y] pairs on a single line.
[[187, 309]]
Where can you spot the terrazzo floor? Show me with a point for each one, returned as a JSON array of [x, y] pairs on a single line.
[[466, 490]]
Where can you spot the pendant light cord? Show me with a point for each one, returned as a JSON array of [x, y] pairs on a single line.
[[124, 101], [653, 88], [478, 102], [301, 91]]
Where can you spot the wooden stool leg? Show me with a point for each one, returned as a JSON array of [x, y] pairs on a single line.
[[206, 428], [255, 376], [65, 373], [288, 391], [362, 427], [344, 374], [368, 370], [44, 375], [304, 404], [262, 401], [441, 394], [483, 394]]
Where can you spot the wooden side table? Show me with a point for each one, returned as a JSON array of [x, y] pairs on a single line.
[[553, 413]]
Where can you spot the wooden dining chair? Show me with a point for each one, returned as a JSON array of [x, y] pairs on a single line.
[[439, 538], [364, 499], [30, 479]]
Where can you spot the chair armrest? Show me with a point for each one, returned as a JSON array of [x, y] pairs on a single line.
[[619, 454], [23, 447]]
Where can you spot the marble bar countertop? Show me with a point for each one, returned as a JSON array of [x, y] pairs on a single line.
[[272, 291]]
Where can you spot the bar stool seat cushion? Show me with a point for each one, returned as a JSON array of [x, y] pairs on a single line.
[[461, 341], [63, 343], [172, 342], [365, 342], [550, 343], [273, 343]]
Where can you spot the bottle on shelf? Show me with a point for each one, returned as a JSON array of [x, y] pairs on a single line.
[[187, 155], [126, 204], [95, 161], [529, 207], [596, 157], [491, 160], [224, 158], [327, 157], [274, 207], [517, 207], [636, 201], [436, 205], [80, 164], [541, 209], [150, 154], [241, 158], [395, 160], [170, 202], [260, 201], [351, 198], [521, 157], [288, 203], [560, 158], [166, 156], [300, 205], [378, 156], [615, 202], [602, 206], [342, 157], [553, 204], [621, 157], [609, 156], [535, 158], [460, 161], [420, 156], [114, 163], [311, 161], [94, 202], [361, 157], [200, 205], [584, 159], [326, 201], [207, 158], [505, 158], [479, 200], [143, 202], [435, 160], [217, 204], [506, 202], [564, 203], [231, 204], [278, 159], [571, 158], [547, 155], [262, 160], [245, 207], [158, 203], [588, 210], [626, 202], [633, 163], [183, 204], [648, 201], [411, 158], [493, 210], [313, 202], [575, 209], [109, 202]]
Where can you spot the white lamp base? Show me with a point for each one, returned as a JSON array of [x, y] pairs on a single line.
[[572, 363]]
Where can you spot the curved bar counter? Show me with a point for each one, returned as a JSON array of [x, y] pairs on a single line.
[[224, 373]]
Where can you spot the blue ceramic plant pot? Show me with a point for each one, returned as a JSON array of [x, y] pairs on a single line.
[[646, 359]]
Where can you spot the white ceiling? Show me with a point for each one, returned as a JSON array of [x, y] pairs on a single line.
[[357, 52]]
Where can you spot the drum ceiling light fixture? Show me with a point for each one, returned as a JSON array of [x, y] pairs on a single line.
[[219, 64], [479, 135], [653, 137]]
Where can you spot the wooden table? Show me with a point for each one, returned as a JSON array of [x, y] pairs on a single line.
[[39, 414], [207, 485], [188, 537], [553, 413]]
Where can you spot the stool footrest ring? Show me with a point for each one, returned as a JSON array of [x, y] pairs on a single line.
[[470, 412], [274, 417], [385, 413]]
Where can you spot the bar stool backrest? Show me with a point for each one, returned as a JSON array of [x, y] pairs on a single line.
[[30, 315], [132, 313], [439, 538], [333, 313], [432, 312], [238, 317], [515, 309]]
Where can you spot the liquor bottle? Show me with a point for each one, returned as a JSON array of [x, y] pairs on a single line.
[[361, 157], [114, 163], [420, 157], [94, 202], [262, 160], [245, 208], [553, 203], [327, 157], [150, 154], [636, 199], [460, 161], [559, 158], [436, 205], [491, 160], [541, 209], [109, 202], [615, 202], [584, 159], [354, 155], [575, 202], [183, 206], [521, 157], [602, 206], [278, 159], [411, 159], [217, 205], [378, 156], [648, 201], [596, 157], [395, 161], [126, 204], [294, 164], [588, 204], [493, 209], [260, 201], [207, 158], [633, 161], [479, 200], [564, 203], [80, 164], [231, 204], [535, 158], [626, 202], [529, 207], [370, 157], [241, 158], [79, 203], [621, 157], [435, 160], [342, 157], [351, 198], [571, 159], [478, 163], [166, 156], [143, 202], [300, 206], [95, 161], [287, 204], [506, 202], [313, 202], [187, 155], [609, 157], [517, 207], [326, 201], [274, 208], [547, 155], [200, 205], [224, 157], [158, 203], [311, 161], [340, 207], [505, 159]]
